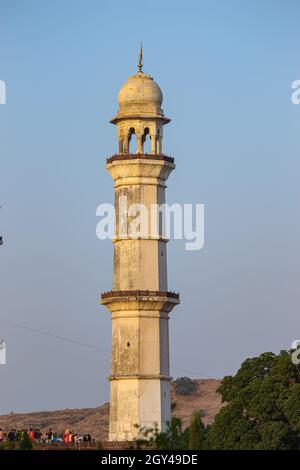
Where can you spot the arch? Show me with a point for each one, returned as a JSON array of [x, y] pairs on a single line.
[[132, 140], [146, 143]]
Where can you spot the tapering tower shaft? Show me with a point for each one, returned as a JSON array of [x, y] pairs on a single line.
[[139, 302]]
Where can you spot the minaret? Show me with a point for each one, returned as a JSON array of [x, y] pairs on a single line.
[[139, 302]]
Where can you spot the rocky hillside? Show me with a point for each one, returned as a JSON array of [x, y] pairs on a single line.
[[95, 420]]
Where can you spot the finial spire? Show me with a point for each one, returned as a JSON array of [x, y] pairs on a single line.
[[140, 66]]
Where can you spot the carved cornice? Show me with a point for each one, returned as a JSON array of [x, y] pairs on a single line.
[[135, 156], [139, 293]]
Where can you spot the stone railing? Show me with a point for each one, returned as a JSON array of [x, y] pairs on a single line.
[[139, 293], [144, 156]]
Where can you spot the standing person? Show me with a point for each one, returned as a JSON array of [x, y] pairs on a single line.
[[66, 437], [49, 435], [38, 435], [71, 437], [11, 435], [1, 435]]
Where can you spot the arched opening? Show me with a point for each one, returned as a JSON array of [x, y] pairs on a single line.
[[132, 141], [146, 141]]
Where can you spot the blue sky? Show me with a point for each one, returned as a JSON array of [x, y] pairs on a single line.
[[225, 68]]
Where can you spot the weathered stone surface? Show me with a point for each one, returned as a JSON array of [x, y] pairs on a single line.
[[140, 372]]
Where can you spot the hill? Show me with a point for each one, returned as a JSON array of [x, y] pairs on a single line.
[[95, 420]]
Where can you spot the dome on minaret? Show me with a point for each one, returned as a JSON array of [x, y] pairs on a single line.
[[140, 87], [140, 96]]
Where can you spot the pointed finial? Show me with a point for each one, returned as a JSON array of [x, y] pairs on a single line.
[[140, 66]]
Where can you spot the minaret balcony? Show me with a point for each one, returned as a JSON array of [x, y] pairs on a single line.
[[127, 302], [142, 156], [139, 293]]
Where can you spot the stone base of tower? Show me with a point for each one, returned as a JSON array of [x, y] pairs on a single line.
[[140, 374], [136, 404]]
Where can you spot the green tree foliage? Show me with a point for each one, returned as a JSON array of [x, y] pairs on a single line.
[[196, 432], [263, 406], [8, 445], [172, 438], [261, 412], [184, 386], [26, 442]]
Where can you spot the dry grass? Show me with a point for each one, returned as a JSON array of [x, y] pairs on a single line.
[[95, 420]]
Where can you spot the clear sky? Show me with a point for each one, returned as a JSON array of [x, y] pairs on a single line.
[[225, 68]]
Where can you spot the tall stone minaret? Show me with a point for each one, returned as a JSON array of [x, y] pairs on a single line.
[[139, 302]]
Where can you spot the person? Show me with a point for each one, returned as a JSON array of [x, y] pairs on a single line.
[[71, 437], [1, 435], [38, 435], [49, 435], [31, 434], [11, 435], [66, 437]]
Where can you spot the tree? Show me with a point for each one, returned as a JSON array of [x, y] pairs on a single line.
[[196, 432], [26, 442], [263, 406], [172, 438], [185, 386]]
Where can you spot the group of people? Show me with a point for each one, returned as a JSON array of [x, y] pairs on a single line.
[[68, 437], [12, 435]]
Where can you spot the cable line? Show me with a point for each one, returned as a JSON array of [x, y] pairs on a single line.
[[86, 345]]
